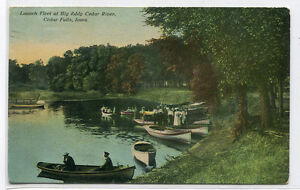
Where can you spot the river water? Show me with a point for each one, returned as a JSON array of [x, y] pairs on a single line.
[[44, 135]]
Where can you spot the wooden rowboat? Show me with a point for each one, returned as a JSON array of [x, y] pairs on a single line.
[[147, 112], [142, 122], [180, 135], [27, 106], [144, 152], [126, 112], [203, 122], [86, 172], [203, 130], [104, 114]]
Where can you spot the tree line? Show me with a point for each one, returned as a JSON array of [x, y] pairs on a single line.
[[103, 68]]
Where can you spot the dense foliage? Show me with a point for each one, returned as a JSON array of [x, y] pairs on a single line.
[[248, 46], [107, 69]]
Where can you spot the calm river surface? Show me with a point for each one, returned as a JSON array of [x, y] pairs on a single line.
[[78, 128]]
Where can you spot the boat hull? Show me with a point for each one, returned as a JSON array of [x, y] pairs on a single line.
[[86, 172], [27, 106], [142, 122], [179, 135], [199, 130], [106, 114], [126, 113], [146, 157], [202, 122]]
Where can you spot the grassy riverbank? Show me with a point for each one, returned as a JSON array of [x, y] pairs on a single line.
[[159, 95], [258, 157]]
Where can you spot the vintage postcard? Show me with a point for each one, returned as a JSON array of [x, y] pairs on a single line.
[[148, 95]]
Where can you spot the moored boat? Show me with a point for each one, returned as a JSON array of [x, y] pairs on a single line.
[[127, 112], [180, 135], [202, 130], [27, 106], [86, 172], [143, 122], [104, 114], [147, 112], [203, 122], [144, 152]]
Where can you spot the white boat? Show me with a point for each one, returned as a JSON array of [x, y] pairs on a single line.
[[143, 122], [197, 104], [106, 114], [180, 135], [199, 130], [144, 152], [203, 122]]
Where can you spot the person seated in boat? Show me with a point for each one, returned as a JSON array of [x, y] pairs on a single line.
[[107, 165], [69, 163]]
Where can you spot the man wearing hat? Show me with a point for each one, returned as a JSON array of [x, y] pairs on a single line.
[[69, 162], [108, 163]]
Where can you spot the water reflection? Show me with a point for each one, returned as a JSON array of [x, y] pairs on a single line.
[[86, 117]]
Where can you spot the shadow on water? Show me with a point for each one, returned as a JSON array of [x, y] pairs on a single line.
[[143, 166], [86, 181]]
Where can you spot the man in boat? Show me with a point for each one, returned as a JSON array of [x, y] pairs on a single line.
[[107, 163], [69, 162]]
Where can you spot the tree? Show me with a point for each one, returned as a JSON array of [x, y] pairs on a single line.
[[56, 69], [14, 72], [245, 44], [191, 65], [133, 72]]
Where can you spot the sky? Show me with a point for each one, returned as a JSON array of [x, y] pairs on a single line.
[[33, 37]]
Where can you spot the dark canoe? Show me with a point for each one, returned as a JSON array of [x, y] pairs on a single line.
[[27, 106], [86, 172]]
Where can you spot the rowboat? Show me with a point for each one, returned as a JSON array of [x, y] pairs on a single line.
[[203, 122], [143, 122], [144, 152], [202, 130], [86, 172], [180, 135], [194, 129], [104, 114], [196, 104], [28, 106], [128, 112], [147, 112]]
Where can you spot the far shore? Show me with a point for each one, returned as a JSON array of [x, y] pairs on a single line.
[[158, 95]]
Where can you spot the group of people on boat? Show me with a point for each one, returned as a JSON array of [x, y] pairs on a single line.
[[164, 115], [107, 110], [69, 163]]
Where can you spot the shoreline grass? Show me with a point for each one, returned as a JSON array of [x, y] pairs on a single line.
[[258, 157]]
